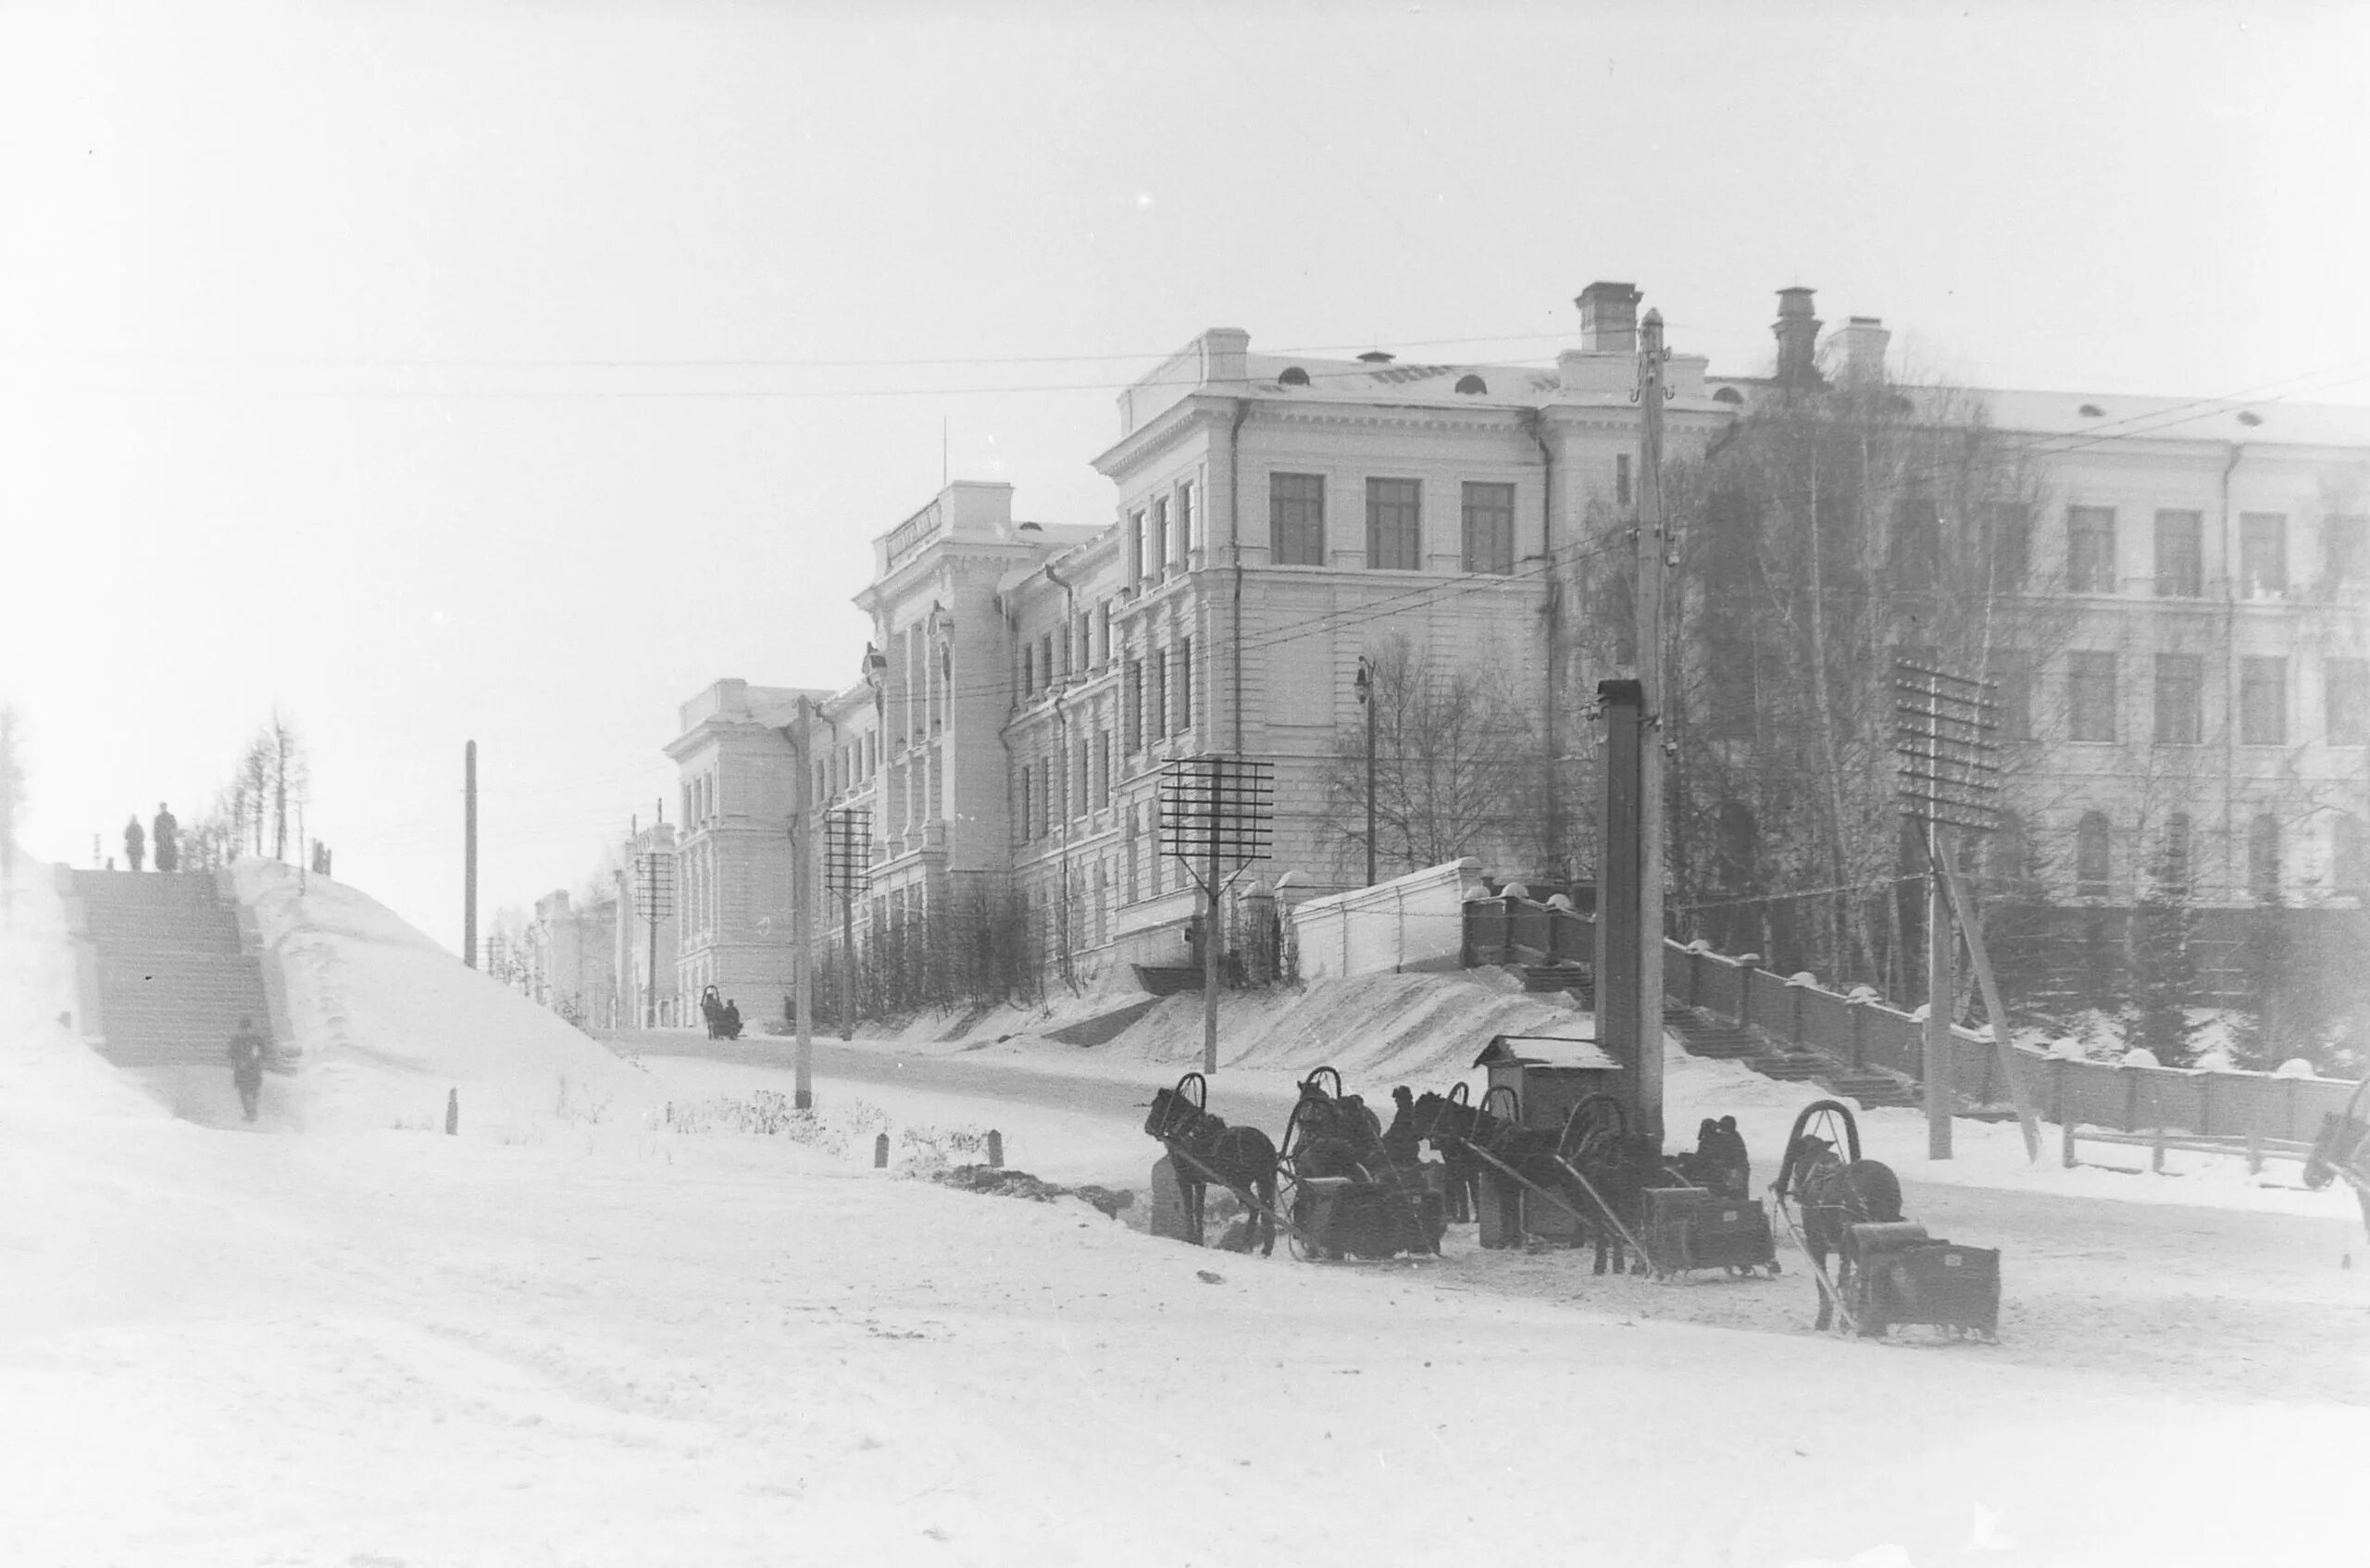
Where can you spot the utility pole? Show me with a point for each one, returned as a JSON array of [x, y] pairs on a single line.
[[803, 901], [1368, 699], [469, 856], [1653, 559]]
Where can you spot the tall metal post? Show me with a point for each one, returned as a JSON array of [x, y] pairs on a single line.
[[802, 901], [1617, 901], [1210, 942], [1368, 699], [1941, 985], [1653, 554], [469, 856], [847, 959]]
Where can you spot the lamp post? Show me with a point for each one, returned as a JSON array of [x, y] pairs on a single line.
[[1366, 695]]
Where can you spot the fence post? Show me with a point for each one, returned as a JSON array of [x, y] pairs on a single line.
[[995, 1149], [2130, 1098], [2057, 1094], [2254, 1151], [452, 1112], [2066, 1134], [2156, 1153], [880, 1152]]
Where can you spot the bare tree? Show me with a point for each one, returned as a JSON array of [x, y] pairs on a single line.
[[1456, 767], [1829, 531]]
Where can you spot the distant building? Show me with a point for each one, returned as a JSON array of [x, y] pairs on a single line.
[[572, 958], [647, 961]]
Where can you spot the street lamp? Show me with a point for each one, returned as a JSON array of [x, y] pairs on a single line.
[[1366, 695]]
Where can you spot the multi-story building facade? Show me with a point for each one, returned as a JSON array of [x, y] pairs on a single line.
[[739, 766], [1277, 519]]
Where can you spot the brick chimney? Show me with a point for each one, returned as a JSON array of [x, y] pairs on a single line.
[[1797, 331], [1609, 319], [1863, 340]]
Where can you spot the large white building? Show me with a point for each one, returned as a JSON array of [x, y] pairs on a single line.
[[1277, 518]]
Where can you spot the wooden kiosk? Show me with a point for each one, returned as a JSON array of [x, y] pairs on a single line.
[[1549, 1075]]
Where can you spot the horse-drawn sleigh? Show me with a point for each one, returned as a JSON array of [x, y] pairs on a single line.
[[1888, 1271], [1334, 1189], [2344, 1149]]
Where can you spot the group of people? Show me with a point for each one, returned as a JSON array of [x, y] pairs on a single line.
[[163, 837]]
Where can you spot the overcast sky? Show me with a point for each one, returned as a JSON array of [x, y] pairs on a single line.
[[513, 370]]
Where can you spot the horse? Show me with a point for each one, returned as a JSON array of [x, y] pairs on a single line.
[[1332, 1133], [1834, 1196], [1203, 1147], [1442, 1121]]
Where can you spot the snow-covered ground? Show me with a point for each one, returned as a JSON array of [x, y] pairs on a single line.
[[581, 1332]]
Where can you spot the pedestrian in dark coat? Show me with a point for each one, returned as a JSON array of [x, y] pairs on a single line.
[[133, 841], [729, 1024], [166, 835], [246, 1065], [1734, 1162]]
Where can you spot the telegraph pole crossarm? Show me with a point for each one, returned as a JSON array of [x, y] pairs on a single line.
[[1216, 816]]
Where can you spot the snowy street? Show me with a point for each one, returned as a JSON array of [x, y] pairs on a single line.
[[580, 1333]]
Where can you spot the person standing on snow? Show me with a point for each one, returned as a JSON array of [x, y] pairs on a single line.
[[164, 833], [246, 1065], [133, 840]]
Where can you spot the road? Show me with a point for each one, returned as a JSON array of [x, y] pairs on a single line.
[[2227, 1302]]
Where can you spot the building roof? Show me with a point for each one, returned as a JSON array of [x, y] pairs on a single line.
[[2122, 416], [1545, 1050], [1368, 382]]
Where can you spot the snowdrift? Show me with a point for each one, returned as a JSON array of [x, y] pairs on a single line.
[[388, 1023]]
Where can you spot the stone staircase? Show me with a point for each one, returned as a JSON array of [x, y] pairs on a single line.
[[174, 976], [1707, 1034]]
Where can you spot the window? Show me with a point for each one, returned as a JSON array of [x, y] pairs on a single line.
[[1471, 384], [2012, 544], [2341, 546], [1028, 790], [2089, 548], [1045, 659], [1156, 544], [1027, 672], [2012, 672], [1130, 858], [2180, 693], [2263, 702], [1137, 565], [1184, 685], [2263, 858], [1621, 480], [2173, 869], [1102, 769], [1156, 696], [2348, 857], [1296, 519], [1488, 528], [2092, 869], [1916, 546], [1394, 524], [2348, 704], [2180, 555], [1186, 540], [2090, 697], [1131, 707], [2262, 555]]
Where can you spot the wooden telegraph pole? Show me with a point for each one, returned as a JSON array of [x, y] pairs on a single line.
[[469, 855], [1654, 560], [803, 903]]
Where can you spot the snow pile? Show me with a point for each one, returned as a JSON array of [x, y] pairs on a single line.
[[389, 1022]]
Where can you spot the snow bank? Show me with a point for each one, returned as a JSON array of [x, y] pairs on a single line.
[[389, 1022]]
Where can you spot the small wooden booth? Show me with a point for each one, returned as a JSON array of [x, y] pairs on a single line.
[[1549, 1075]]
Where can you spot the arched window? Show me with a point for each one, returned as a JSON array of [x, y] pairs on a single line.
[[1293, 375], [1471, 384], [2263, 858], [1727, 394], [2348, 857], [2091, 869]]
